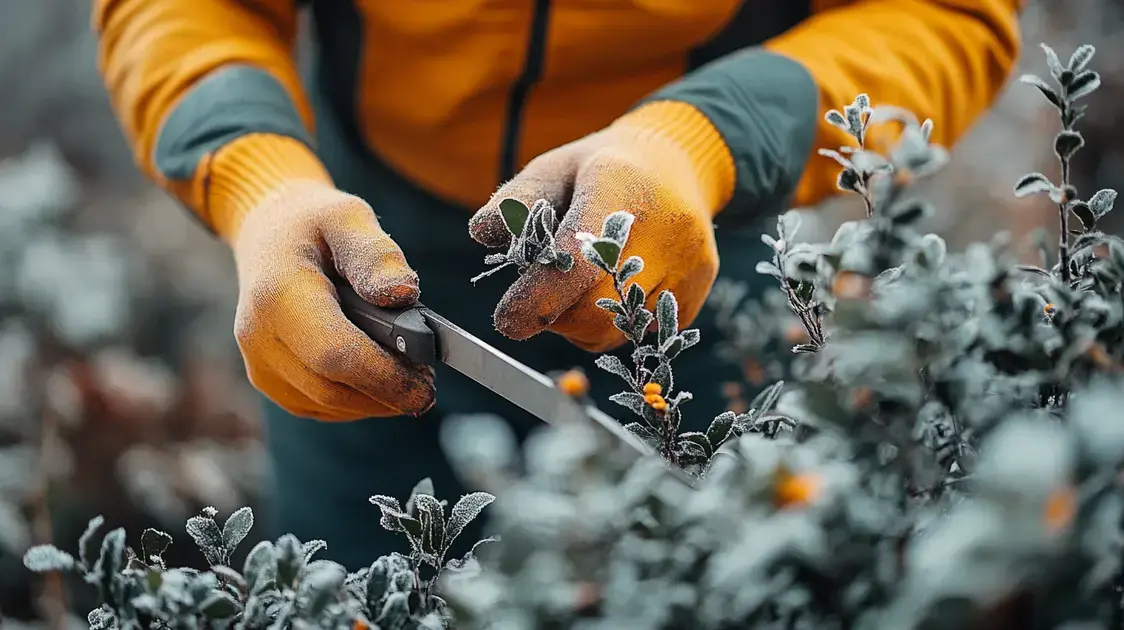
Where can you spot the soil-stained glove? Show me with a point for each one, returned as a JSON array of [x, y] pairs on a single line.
[[667, 165], [299, 349]]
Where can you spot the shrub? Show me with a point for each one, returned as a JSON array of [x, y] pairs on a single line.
[[946, 456]]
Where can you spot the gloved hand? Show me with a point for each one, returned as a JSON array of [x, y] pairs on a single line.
[[299, 349], [663, 162]]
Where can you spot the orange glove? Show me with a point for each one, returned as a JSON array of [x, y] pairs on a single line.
[[667, 165], [299, 349]]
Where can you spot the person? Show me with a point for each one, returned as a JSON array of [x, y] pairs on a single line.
[[699, 117]]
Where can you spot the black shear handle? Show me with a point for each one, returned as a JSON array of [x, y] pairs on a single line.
[[403, 331]]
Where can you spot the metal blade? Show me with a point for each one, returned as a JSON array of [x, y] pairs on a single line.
[[529, 389]]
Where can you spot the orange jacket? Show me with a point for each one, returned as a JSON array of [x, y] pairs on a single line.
[[456, 95]]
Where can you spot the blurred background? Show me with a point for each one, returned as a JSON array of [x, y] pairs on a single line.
[[121, 389]]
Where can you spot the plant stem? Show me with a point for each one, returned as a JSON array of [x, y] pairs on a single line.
[[1063, 217]]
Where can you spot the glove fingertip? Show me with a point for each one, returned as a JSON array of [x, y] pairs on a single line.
[[487, 227]]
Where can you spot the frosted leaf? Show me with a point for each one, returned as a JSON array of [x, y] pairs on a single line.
[[1102, 201], [691, 337], [320, 586], [425, 486], [611, 305], [86, 545], [603, 253], [112, 556], [667, 312], [629, 268], [220, 605], [153, 543], [1083, 85], [237, 527], [632, 401], [290, 559], [720, 428], [616, 227], [1052, 61], [466, 509], [1048, 91], [614, 365], [311, 548], [207, 536], [101, 619], [432, 517], [592, 256], [44, 558], [1081, 58], [259, 563]]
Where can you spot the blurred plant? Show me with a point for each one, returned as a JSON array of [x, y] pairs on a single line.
[[938, 479], [954, 464], [280, 585]]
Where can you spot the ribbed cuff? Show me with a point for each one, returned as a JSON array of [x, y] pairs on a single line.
[[244, 172], [710, 163]]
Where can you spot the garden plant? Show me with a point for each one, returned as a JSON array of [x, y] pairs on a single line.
[[945, 451]]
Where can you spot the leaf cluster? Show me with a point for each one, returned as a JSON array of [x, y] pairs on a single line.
[[281, 586]]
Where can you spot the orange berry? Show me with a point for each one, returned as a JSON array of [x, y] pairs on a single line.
[[795, 334], [848, 284], [653, 388], [359, 624], [1061, 505], [1098, 356], [861, 397], [1048, 310], [795, 490], [731, 389], [754, 372], [574, 383], [655, 401]]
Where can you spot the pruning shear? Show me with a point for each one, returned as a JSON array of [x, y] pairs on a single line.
[[423, 336]]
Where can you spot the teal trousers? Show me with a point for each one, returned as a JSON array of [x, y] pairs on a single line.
[[323, 473]]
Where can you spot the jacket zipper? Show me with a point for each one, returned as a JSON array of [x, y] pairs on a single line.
[[517, 98]]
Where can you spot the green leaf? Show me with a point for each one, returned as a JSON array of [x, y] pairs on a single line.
[[514, 215], [609, 251], [220, 605], [1084, 213]]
